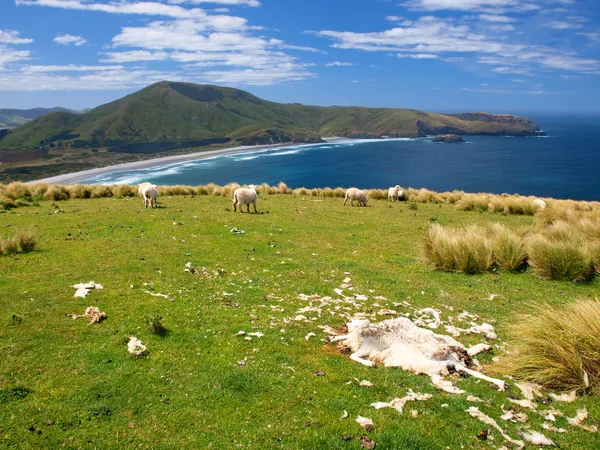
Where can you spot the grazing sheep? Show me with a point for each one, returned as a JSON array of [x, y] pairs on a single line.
[[149, 193], [395, 193], [245, 196], [541, 204], [355, 194]]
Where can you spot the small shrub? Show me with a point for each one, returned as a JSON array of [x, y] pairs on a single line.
[[520, 206], [558, 348], [38, 190], [16, 319], [155, 325], [26, 241], [564, 259]]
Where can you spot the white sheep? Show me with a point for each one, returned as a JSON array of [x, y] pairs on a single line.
[[245, 196], [539, 203], [395, 193], [355, 194], [149, 193]]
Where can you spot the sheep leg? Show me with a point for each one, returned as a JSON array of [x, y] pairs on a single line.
[[364, 362], [234, 205], [248, 208], [345, 200], [500, 384], [254, 207], [339, 338]]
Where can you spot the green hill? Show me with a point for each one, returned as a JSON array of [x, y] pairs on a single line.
[[168, 115], [15, 117]]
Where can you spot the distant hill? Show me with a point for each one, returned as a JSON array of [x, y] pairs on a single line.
[[170, 115], [16, 117]]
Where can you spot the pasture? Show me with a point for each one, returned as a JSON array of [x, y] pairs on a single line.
[[203, 384]]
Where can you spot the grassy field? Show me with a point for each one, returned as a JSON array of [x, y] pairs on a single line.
[[64, 383]]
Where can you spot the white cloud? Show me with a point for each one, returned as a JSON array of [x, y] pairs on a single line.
[[257, 77], [563, 25], [498, 18], [69, 68], [449, 37], [12, 37], [220, 2], [134, 56], [418, 56], [66, 39], [337, 64], [512, 70], [500, 28], [9, 55]]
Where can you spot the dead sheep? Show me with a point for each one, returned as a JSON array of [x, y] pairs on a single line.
[[245, 196], [149, 193], [355, 194]]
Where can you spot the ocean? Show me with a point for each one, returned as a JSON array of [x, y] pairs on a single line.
[[564, 164]]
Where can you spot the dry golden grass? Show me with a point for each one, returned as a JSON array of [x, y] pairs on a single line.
[[473, 202], [56, 192], [559, 258], [79, 191], [508, 247], [558, 348], [25, 241], [16, 190], [465, 250]]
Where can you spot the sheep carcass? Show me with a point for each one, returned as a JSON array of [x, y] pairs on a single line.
[[400, 343]]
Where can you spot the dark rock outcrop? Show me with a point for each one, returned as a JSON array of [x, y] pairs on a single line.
[[448, 138], [268, 137]]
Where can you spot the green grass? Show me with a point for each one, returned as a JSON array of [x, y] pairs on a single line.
[[67, 383]]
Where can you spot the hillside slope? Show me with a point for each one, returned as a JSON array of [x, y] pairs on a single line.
[[169, 115], [16, 117]]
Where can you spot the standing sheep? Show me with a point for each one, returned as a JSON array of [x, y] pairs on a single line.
[[395, 193], [355, 194], [245, 196], [149, 194]]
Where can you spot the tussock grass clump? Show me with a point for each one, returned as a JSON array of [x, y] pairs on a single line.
[[56, 192], [339, 192], [377, 194], [17, 190], [302, 191], [562, 259], [79, 191], [520, 205], [26, 241], [558, 348], [21, 242], [508, 247], [38, 190], [458, 250], [124, 190], [9, 246], [100, 191], [473, 202], [327, 192]]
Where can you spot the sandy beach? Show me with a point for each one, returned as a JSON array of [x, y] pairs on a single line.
[[75, 177]]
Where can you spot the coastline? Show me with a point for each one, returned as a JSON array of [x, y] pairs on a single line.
[[75, 177]]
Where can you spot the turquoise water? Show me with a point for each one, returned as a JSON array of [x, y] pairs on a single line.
[[565, 164]]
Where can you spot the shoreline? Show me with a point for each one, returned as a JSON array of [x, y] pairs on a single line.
[[75, 177]]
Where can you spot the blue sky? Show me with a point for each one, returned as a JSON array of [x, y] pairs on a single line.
[[434, 55]]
